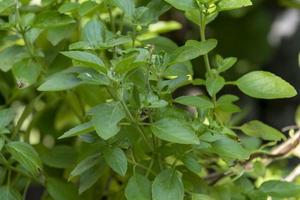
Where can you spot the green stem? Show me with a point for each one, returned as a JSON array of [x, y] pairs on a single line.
[[203, 38]]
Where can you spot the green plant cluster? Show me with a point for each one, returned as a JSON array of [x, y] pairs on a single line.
[[88, 111]]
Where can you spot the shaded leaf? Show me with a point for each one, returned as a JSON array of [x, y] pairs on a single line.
[[173, 130], [195, 101], [167, 186], [138, 188], [116, 159]]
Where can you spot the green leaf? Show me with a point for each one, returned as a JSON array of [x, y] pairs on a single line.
[[87, 7], [191, 163], [265, 85], [280, 189], [195, 101], [2, 143], [229, 148], [6, 117], [191, 50], [26, 155], [214, 84], [116, 159], [86, 58], [138, 188], [225, 64], [89, 178], [10, 56], [5, 4], [86, 164], [127, 64], [201, 197], [106, 118], [167, 186], [50, 19], [94, 33], [78, 130], [233, 4], [57, 34], [68, 7], [126, 5], [60, 156], [256, 128], [61, 190], [173, 130], [8, 193], [94, 78], [26, 72], [60, 81], [185, 5]]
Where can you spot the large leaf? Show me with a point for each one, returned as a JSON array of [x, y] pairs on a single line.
[[265, 85], [126, 5], [195, 101], [116, 159], [233, 4], [173, 130], [90, 177], [86, 58], [280, 189], [106, 118], [229, 148], [138, 188], [26, 155], [61, 190], [167, 186], [185, 5], [60, 81], [8, 193], [191, 50], [258, 129]]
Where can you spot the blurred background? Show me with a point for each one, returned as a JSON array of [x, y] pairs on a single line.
[[265, 36]]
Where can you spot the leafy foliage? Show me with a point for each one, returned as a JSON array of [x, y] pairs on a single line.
[[92, 113]]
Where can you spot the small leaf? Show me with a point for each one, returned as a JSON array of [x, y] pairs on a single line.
[[167, 186], [68, 7], [191, 50], [214, 84], [87, 7], [116, 159], [26, 155], [61, 190], [8, 193], [138, 188], [106, 118], [185, 5], [127, 64], [172, 130], [225, 64], [60, 81], [86, 164], [195, 101], [94, 78], [2, 143], [78, 130], [280, 189], [229, 148], [258, 129], [126, 5], [86, 58], [265, 85], [26, 72], [233, 4]]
